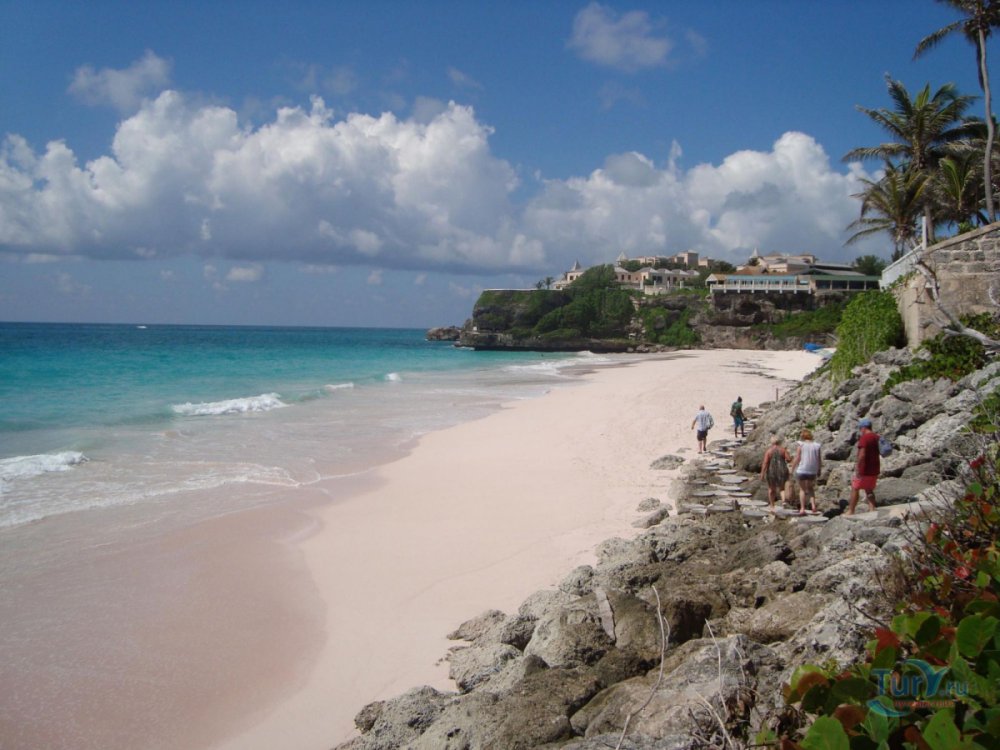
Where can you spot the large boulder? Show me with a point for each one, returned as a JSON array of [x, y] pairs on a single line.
[[569, 635], [534, 712], [719, 672], [396, 723]]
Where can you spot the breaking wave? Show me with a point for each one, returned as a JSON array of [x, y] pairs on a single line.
[[264, 402]]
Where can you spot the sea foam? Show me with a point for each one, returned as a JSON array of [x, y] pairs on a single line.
[[23, 467], [332, 387], [264, 402]]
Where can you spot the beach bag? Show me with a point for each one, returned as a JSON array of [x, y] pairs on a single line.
[[884, 446], [711, 422]]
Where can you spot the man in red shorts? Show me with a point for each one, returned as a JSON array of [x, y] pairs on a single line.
[[867, 469]]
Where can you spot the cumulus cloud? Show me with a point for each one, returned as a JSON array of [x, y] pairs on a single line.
[[629, 42], [122, 89], [784, 200], [69, 286], [245, 274], [412, 194], [463, 80], [185, 178]]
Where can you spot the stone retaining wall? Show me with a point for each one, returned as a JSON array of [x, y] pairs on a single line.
[[967, 268]]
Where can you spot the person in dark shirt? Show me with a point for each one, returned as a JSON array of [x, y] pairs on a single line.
[[736, 412]]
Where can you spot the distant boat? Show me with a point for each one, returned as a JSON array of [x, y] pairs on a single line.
[[140, 327]]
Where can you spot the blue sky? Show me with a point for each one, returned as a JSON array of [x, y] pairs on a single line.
[[379, 163]]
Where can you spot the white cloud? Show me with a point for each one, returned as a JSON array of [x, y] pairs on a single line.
[[69, 286], [122, 89], [463, 80], [245, 274], [630, 42], [784, 200], [35, 258], [315, 269], [182, 178], [375, 278], [462, 291], [189, 179]]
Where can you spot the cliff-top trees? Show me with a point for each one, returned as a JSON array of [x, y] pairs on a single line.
[[980, 18], [921, 129], [891, 204]]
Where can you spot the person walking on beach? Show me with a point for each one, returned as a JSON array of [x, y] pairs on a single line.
[[736, 412], [704, 422], [774, 471], [867, 468], [807, 465]]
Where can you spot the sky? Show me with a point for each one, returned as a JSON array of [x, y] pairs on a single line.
[[380, 163]]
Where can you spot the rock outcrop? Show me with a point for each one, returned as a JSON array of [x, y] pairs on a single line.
[[444, 333], [683, 635]]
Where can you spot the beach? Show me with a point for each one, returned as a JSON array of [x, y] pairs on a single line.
[[481, 515], [272, 624]]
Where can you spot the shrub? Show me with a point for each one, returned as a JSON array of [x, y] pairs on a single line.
[[951, 356], [932, 678], [807, 323], [870, 323]]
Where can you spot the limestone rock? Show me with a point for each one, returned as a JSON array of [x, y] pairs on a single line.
[[679, 699], [650, 503], [652, 519], [397, 722], [776, 621], [667, 462], [570, 635]]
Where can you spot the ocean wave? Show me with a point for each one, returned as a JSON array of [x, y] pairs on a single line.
[[264, 402], [552, 367], [333, 387], [24, 467], [108, 491], [394, 377]]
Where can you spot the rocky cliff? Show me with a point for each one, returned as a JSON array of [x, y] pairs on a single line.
[[507, 320], [682, 636]]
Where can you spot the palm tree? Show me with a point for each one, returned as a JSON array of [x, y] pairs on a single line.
[[958, 190], [921, 129], [891, 204], [980, 18]]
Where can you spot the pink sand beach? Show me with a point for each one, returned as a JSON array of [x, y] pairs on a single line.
[[272, 627]]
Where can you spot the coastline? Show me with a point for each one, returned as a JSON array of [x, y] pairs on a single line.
[[274, 625], [480, 515]]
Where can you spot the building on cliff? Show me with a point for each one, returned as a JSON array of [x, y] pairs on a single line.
[[795, 274]]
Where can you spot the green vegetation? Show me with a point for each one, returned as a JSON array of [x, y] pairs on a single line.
[[932, 677], [669, 327], [592, 307], [807, 323], [870, 323], [951, 356], [716, 266], [869, 265]]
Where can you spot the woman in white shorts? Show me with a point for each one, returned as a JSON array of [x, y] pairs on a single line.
[[807, 465]]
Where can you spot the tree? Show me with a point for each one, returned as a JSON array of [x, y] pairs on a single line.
[[980, 18], [957, 190], [921, 129], [869, 265], [891, 204]]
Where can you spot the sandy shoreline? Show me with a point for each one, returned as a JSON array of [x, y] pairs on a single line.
[[272, 627], [481, 515]]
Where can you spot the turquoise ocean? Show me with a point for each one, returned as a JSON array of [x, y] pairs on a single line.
[[97, 416]]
